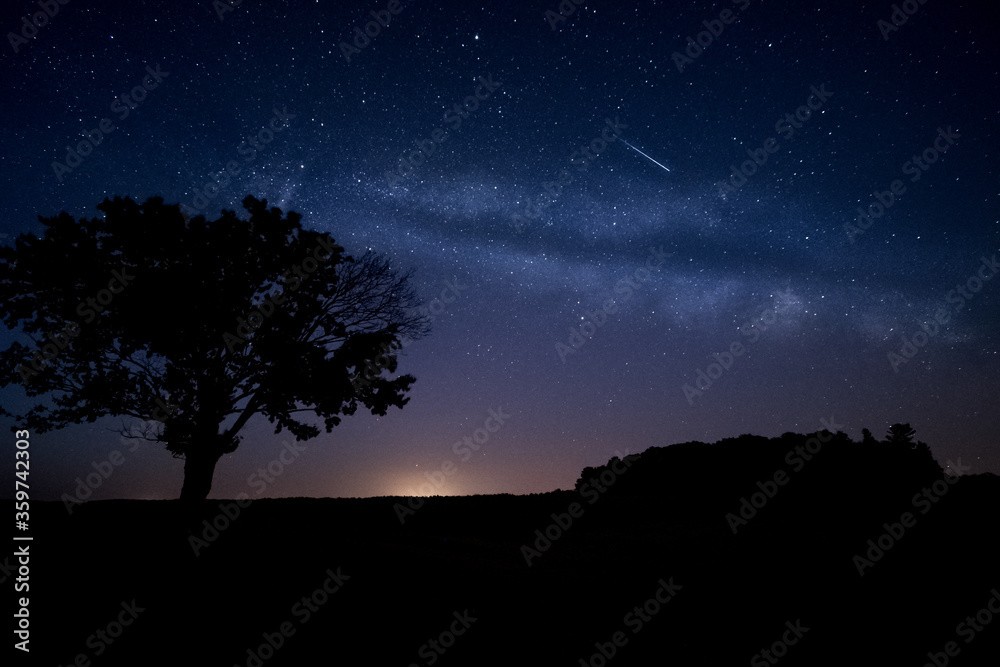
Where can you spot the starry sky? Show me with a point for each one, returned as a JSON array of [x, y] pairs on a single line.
[[720, 250]]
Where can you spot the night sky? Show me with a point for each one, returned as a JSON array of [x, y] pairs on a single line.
[[484, 146]]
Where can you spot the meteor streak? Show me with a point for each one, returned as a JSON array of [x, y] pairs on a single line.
[[643, 154]]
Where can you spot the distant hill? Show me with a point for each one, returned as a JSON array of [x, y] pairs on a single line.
[[693, 554]]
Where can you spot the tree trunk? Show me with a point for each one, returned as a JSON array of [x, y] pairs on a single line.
[[199, 468]]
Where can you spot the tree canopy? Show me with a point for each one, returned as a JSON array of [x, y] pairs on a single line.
[[900, 434], [201, 325]]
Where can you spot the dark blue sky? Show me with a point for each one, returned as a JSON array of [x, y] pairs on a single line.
[[768, 270]]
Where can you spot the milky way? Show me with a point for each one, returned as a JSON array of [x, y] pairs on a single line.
[[830, 212]]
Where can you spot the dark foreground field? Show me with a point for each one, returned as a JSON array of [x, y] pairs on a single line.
[[455, 574]]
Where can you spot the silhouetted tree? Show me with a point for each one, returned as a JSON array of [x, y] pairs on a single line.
[[586, 475], [925, 458], [201, 325], [900, 434], [867, 438]]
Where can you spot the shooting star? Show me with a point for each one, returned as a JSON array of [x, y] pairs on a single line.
[[643, 154]]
